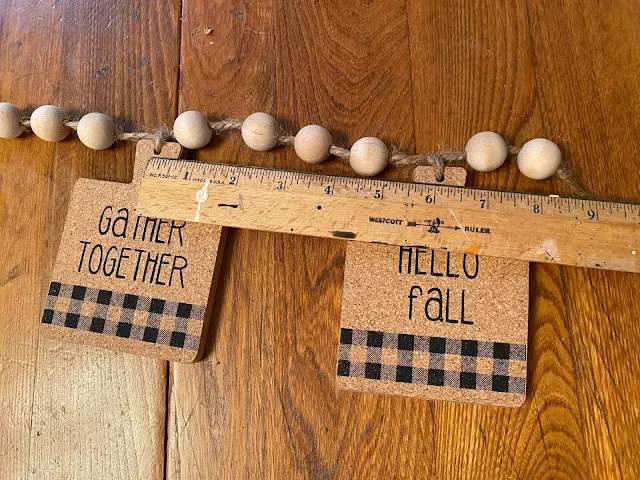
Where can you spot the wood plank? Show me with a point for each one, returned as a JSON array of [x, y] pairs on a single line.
[[487, 82], [586, 88], [24, 174], [346, 65], [215, 403], [70, 411], [263, 403], [515, 69]]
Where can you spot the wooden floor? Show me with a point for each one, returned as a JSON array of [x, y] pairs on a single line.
[[263, 403]]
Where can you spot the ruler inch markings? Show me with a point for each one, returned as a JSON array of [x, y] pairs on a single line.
[[539, 228]]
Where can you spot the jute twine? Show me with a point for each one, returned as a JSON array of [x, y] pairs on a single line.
[[439, 160]]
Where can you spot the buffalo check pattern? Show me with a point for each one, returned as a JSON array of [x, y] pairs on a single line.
[[433, 361], [151, 320]]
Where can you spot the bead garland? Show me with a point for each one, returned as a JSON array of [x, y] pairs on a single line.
[[538, 159]]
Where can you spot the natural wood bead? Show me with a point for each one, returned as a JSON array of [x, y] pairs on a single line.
[[47, 123], [312, 144], [260, 131], [539, 159], [486, 151], [192, 130], [369, 156], [10, 117], [97, 131]]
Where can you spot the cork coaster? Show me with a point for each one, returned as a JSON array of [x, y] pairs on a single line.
[[131, 283], [433, 324]]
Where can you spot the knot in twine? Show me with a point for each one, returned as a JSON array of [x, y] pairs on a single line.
[[159, 137]]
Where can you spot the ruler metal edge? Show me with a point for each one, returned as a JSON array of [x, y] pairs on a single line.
[[522, 226]]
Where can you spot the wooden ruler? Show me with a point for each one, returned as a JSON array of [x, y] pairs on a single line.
[[521, 226]]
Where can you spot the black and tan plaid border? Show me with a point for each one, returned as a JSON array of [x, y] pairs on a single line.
[[107, 312], [433, 361]]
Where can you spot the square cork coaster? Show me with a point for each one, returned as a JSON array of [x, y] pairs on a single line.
[[127, 282], [434, 324]]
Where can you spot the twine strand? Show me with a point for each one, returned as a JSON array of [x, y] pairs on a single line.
[[513, 149], [340, 152], [161, 136], [225, 125], [439, 160], [565, 173], [285, 140], [135, 136]]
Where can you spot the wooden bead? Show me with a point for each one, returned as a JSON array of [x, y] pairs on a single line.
[[486, 151], [47, 122], [539, 159], [192, 130], [260, 131], [369, 156], [97, 131], [312, 144], [10, 117]]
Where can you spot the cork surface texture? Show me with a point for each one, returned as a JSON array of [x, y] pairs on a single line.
[[433, 324], [127, 282]]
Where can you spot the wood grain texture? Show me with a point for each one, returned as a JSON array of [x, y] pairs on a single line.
[[487, 82], [263, 402], [585, 99], [213, 403], [69, 411], [515, 69], [471, 69]]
